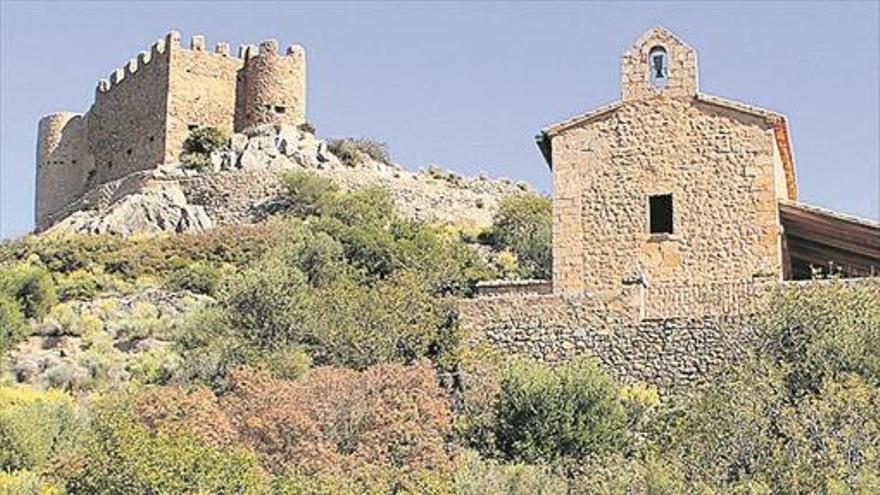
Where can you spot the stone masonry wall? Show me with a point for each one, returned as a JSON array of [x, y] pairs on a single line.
[[63, 161], [669, 353], [634, 67], [271, 88], [719, 170]]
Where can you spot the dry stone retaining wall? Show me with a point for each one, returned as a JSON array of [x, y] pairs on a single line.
[[671, 353]]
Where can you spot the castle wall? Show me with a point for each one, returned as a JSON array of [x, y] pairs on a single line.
[[62, 162], [719, 168], [201, 91], [126, 124]]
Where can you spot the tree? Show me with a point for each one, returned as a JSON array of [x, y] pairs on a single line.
[[523, 225]]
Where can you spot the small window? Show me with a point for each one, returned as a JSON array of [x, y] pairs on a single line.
[[658, 67], [152, 139], [109, 165], [660, 212], [128, 151], [192, 127], [280, 109]]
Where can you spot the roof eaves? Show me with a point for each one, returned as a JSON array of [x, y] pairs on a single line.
[[580, 119], [739, 106], [873, 224]]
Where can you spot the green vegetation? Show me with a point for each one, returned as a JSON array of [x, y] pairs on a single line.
[[12, 323], [199, 145], [319, 353], [352, 285], [308, 194], [546, 414], [523, 226]]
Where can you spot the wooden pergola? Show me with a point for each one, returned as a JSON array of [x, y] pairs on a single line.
[[816, 239]]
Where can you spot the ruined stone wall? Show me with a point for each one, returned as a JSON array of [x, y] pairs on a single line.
[[126, 124], [201, 91], [144, 112]]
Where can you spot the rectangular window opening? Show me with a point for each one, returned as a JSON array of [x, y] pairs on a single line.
[[280, 109], [660, 211]]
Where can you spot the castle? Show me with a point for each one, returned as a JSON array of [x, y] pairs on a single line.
[[144, 112]]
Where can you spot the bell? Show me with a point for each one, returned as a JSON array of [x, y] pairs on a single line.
[[658, 66]]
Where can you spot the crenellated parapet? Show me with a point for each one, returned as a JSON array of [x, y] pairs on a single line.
[[133, 66]]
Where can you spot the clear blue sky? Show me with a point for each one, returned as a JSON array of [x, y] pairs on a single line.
[[467, 86]]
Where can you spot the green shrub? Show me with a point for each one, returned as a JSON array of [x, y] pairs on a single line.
[[13, 327], [265, 303], [617, 474], [307, 127], [25, 482], [823, 331], [79, 284], [205, 140], [289, 364], [801, 415], [200, 277], [31, 285], [37, 429], [396, 319], [195, 161], [523, 225], [354, 152], [308, 193], [156, 366], [199, 145], [546, 414]]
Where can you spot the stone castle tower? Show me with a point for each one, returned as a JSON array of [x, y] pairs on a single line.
[[667, 188], [144, 112]]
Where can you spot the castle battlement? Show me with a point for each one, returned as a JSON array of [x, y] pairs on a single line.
[[144, 110]]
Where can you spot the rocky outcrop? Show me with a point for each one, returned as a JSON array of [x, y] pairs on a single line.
[[159, 207], [242, 184]]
